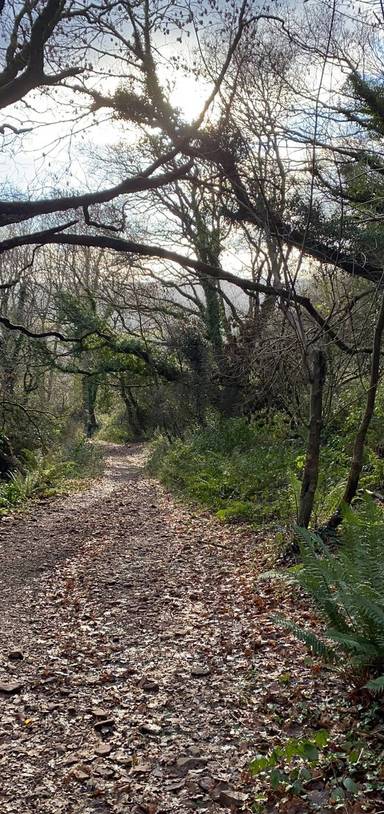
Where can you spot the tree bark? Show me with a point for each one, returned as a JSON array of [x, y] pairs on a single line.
[[90, 387], [361, 435], [358, 448], [311, 468], [8, 460], [135, 417]]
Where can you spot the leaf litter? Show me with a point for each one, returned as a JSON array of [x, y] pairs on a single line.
[[149, 671]]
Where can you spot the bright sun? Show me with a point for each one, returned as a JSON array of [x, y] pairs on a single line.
[[189, 96]]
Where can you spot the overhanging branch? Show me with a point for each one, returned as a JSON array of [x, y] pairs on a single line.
[[117, 244], [17, 211]]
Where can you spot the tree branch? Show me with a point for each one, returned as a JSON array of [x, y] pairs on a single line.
[[17, 211], [202, 269]]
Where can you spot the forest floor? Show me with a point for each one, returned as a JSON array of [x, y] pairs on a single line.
[[140, 670]]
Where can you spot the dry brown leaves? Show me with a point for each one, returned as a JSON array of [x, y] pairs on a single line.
[[151, 669]]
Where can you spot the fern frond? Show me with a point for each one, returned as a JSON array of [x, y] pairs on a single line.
[[316, 645], [376, 685], [347, 587], [354, 644]]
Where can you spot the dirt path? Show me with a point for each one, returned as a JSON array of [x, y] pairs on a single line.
[[142, 645]]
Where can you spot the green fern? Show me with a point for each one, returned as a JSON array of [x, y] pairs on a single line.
[[376, 685], [331, 500], [316, 645], [347, 588]]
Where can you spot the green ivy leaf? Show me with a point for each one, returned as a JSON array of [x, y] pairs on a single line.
[[350, 785], [259, 764], [309, 751], [321, 738], [276, 778]]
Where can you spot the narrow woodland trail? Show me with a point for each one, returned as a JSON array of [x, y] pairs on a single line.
[[139, 669]]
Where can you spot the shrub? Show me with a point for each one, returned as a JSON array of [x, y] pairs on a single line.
[[20, 487], [84, 459], [15, 491], [252, 470], [236, 511], [239, 469], [114, 428], [159, 449], [305, 749], [347, 588], [114, 435], [47, 475]]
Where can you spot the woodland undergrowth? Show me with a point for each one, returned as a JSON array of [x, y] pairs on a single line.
[[250, 472], [46, 474]]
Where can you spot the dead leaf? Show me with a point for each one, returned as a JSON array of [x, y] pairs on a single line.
[[11, 687]]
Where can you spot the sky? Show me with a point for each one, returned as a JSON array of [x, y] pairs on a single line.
[[46, 163], [41, 161]]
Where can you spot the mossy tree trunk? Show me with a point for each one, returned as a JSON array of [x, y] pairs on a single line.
[[311, 467], [90, 388], [213, 315], [136, 418]]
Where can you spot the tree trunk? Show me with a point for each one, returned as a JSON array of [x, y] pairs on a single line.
[[134, 417], [358, 448], [361, 435], [213, 315], [90, 387], [8, 460], [311, 468]]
